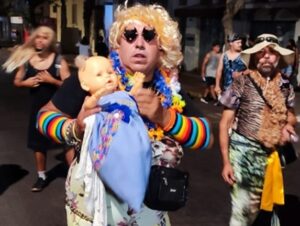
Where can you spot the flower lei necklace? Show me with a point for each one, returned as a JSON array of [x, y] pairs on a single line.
[[164, 84]]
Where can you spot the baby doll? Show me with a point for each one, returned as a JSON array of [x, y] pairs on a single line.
[[118, 144], [97, 76]]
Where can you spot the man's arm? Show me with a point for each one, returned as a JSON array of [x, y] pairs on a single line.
[[291, 119], [54, 124], [64, 69], [64, 107], [191, 132], [50, 107], [30, 82], [224, 126], [203, 67], [219, 75], [289, 128]]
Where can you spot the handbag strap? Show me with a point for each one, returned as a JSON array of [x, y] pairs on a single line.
[[260, 92]]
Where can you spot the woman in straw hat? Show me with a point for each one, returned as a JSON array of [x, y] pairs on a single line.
[[263, 106]]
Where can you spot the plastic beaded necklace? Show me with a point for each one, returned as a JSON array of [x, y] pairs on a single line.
[[164, 84]]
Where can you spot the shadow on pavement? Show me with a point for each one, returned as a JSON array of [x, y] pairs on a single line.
[[263, 219], [60, 156], [288, 214], [60, 170], [10, 174]]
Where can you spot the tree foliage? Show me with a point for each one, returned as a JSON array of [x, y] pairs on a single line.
[[5, 6], [32, 6]]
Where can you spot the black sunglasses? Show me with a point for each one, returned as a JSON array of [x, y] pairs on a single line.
[[130, 35], [267, 39]]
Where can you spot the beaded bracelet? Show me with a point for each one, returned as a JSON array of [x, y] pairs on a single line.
[[74, 131], [70, 134]]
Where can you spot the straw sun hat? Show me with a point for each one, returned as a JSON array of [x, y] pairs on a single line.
[[262, 41]]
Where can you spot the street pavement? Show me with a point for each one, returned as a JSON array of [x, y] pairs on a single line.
[[208, 203]]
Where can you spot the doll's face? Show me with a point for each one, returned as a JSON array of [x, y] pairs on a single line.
[[98, 74]]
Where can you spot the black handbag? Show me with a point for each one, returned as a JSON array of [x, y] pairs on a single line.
[[167, 188], [287, 153]]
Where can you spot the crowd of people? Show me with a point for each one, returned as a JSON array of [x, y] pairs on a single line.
[[133, 100], [217, 77]]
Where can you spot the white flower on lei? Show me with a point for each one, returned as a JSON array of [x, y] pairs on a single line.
[[174, 84]]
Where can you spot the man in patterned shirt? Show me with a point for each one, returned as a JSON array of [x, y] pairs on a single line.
[[263, 107]]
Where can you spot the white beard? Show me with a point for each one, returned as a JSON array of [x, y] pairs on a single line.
[[269, 70]]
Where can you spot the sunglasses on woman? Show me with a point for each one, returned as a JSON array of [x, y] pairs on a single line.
[[131, 35], [267, 39]]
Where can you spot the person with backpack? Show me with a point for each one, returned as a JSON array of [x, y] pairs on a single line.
[[41, 69]]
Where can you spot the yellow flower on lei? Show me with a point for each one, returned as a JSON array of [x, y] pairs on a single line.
[[156, 134], [177, 103]]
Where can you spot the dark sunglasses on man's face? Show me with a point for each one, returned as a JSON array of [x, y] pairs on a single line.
[[267, 39], [130, 35]]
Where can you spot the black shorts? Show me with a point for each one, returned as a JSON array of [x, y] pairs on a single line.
[[210, 81]]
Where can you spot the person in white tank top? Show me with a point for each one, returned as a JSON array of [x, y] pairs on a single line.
[[84, 47], [208, 72]]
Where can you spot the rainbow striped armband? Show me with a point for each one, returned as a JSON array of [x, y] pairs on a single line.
[[50, 124], [190, 132]]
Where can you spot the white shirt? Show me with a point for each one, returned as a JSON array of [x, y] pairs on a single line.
[[83, 49]]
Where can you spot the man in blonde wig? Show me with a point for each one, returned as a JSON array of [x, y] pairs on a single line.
[[155, 18], [142, 39]]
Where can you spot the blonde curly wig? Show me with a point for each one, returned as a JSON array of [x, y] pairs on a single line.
[[157, 17], [24, 52]]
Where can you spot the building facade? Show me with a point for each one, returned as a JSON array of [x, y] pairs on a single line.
[[201, 23]]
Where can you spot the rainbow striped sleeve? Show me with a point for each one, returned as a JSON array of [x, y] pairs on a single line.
[[50, 124], [191, 132]]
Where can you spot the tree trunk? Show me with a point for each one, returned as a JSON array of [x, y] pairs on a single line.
[[32, 5], [87, 14], [99, 23], [232, 7], [63, 15]]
